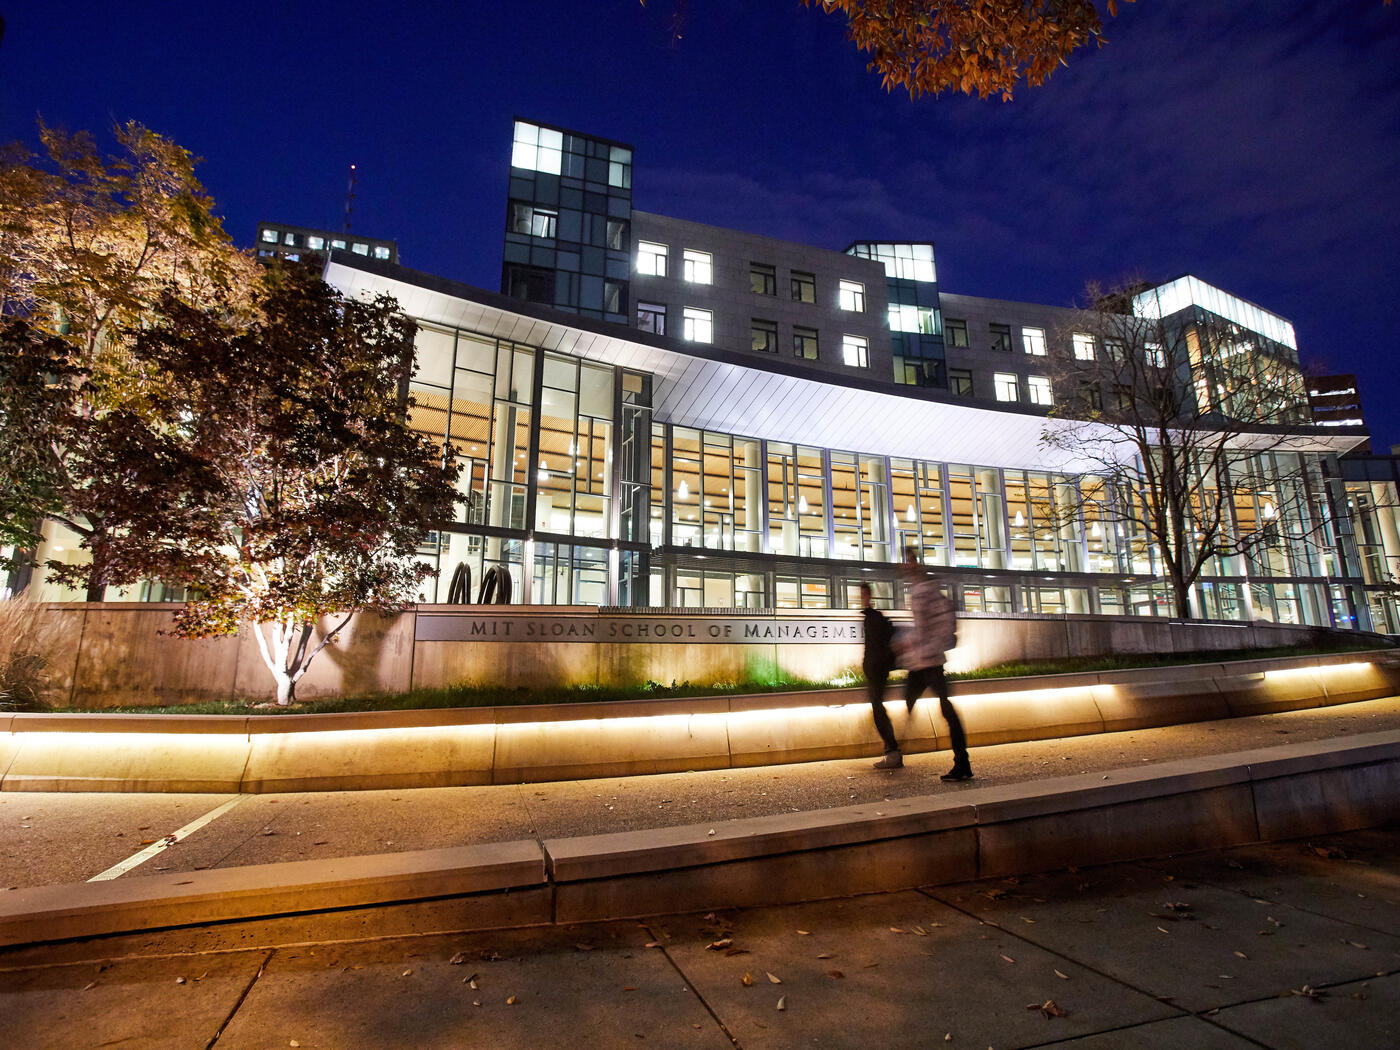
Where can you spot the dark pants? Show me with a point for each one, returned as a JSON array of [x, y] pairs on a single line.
[[914, 687], [875, 689]]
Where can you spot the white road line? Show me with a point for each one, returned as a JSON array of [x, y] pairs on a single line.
[[137, 859]]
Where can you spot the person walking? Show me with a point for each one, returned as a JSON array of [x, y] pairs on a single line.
[[935, 632], [877, 664]]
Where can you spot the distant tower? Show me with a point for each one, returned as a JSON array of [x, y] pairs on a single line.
[[350, 197]]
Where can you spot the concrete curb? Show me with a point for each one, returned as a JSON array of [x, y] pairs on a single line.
[[1200, 803], [467, 746]]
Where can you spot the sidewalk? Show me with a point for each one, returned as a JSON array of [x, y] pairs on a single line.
[[1287, 945]]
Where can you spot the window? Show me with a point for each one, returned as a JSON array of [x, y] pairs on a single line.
[[315, 243], [651, 317], [855, 351], [528, 220], [954, 332], [1001, 337], [852, 296], [1040, 390], [1114, 349], [804, 287], [697, 267], [338, 243], [360, 248], [1033, 341], [612, 297], [1091, 395], [1083, 346], [380, 252], [698, 325], [921, 319], [960, 381], [763, 336], [269, 236], [763, 280], [804, 342], [651, 259], [617, 234], [1157, 358], [289, 239], [1005, 386]]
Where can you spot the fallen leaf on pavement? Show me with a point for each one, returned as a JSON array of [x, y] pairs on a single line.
[[1008, 958], [746, 980], [1049, 1008], [510, 1001], [835, 975], [723, 942], [458, 959], [772, 979], [782, 1002], [1062, 976]]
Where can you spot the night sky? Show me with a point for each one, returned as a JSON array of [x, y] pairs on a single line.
[[1254, 144]]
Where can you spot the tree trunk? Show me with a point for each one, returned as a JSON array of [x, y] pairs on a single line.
[[96, 589], [1182, 594], [286, 687]]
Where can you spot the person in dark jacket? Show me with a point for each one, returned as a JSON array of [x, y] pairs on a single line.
[[878, 662]]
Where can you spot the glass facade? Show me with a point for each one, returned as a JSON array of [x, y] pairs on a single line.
[[568, 229], [915, 320], [566, 472]]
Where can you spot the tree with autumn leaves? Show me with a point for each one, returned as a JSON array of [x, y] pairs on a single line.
[[317, 493], [198, 419]]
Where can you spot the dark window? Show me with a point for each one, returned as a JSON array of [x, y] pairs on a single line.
[[651, 317], [804, 342], [531, 284], [763, 335], [1115, 349], [1091, 395], [954, 332], [804, 287], [612, 297], [763, 280], [617, 234], [1001, 337], [960, 381]]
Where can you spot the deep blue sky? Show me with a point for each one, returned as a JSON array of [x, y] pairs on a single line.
[[1256, 145]]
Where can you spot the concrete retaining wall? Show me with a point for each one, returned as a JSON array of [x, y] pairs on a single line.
[[504, 745], [1195, 804], [121, 654]]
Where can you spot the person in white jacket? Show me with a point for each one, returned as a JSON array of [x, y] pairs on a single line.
[[925, 651]]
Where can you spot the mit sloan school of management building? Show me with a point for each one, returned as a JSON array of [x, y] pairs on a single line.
[[659, 413]]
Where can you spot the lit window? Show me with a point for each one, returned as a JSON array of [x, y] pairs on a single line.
[[763, 280], [381, 252], [651, 317], [651, 258], [920, 319], [698, 326], [804, 287], [530, 221], [1083, 346], [1157, 358], [1001, 337], [360, 249], [697, 267], [537, 148], [270, 236], [804, 343], [763, 336], [855, 351], [1005, 385], [955, 332], [852, 296], [960, 381], [1033, 341], [1040, 390], [338, 243], [290, 238], [315, 243]]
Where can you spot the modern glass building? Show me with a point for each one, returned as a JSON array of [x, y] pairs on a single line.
[[657, 412]]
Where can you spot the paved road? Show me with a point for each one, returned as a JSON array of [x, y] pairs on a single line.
[[50, 838], [1289, 945]]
